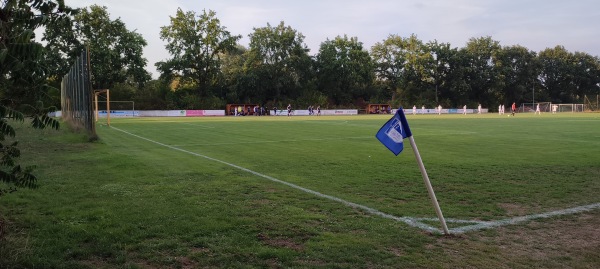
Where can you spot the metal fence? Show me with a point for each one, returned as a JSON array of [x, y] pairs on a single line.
[[77, 96]]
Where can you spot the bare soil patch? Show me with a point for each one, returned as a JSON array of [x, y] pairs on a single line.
[[563, 242]]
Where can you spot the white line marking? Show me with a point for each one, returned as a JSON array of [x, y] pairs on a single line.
[[515, 220], [414, 222], [407, 220]]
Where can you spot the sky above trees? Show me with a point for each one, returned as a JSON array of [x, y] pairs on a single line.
[[535, 24]]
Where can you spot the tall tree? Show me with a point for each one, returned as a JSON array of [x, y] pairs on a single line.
[[441, 67], [481, 72], [567, 76], [232, 72], [518, 68], [116, 53], [586, 75], [195, 43], [344, 70], [556, 74], [401, 62], [277, 65], [390, 59]]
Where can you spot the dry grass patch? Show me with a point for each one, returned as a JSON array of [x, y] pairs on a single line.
[[565, 242]]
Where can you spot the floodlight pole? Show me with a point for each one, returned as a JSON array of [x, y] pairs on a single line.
[[436, 205]]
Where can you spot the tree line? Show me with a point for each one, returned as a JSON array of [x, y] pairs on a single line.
[[208, 68]]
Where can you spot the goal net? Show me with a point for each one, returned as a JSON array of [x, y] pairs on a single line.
[[531, 107], [117, 109], [569, 107], [105, 110]]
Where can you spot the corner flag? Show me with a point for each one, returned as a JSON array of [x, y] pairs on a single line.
[[391, 135], [394, 131]]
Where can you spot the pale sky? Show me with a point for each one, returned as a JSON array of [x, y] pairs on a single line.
[[535, 24]]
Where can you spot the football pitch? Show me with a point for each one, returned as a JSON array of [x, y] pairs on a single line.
[[339, 159], [323, 192]]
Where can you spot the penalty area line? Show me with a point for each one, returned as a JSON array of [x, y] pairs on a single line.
[[410, 221]]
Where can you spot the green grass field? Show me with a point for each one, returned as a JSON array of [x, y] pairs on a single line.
[[204, 193]]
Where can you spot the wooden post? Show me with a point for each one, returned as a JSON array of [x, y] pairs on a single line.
[[436, 205], [96, 105]]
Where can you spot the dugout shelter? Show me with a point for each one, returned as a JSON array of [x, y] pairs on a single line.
[[379, 109], [246, 109]]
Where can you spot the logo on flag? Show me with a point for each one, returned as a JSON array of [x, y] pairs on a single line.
[[393, 132]]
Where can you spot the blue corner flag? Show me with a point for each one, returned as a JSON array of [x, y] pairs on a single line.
[[394, 131]]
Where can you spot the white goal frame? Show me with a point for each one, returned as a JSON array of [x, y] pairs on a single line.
[[569, 108], [531, 107]]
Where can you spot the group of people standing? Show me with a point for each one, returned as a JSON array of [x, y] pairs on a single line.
[[247, 110], [311, 110], [513, 109], [438, 109], [465, 109]]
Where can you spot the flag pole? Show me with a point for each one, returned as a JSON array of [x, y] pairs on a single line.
[[436, 205]]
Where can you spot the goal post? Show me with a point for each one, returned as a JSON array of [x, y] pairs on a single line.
[[531, 107], [107, 94]]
